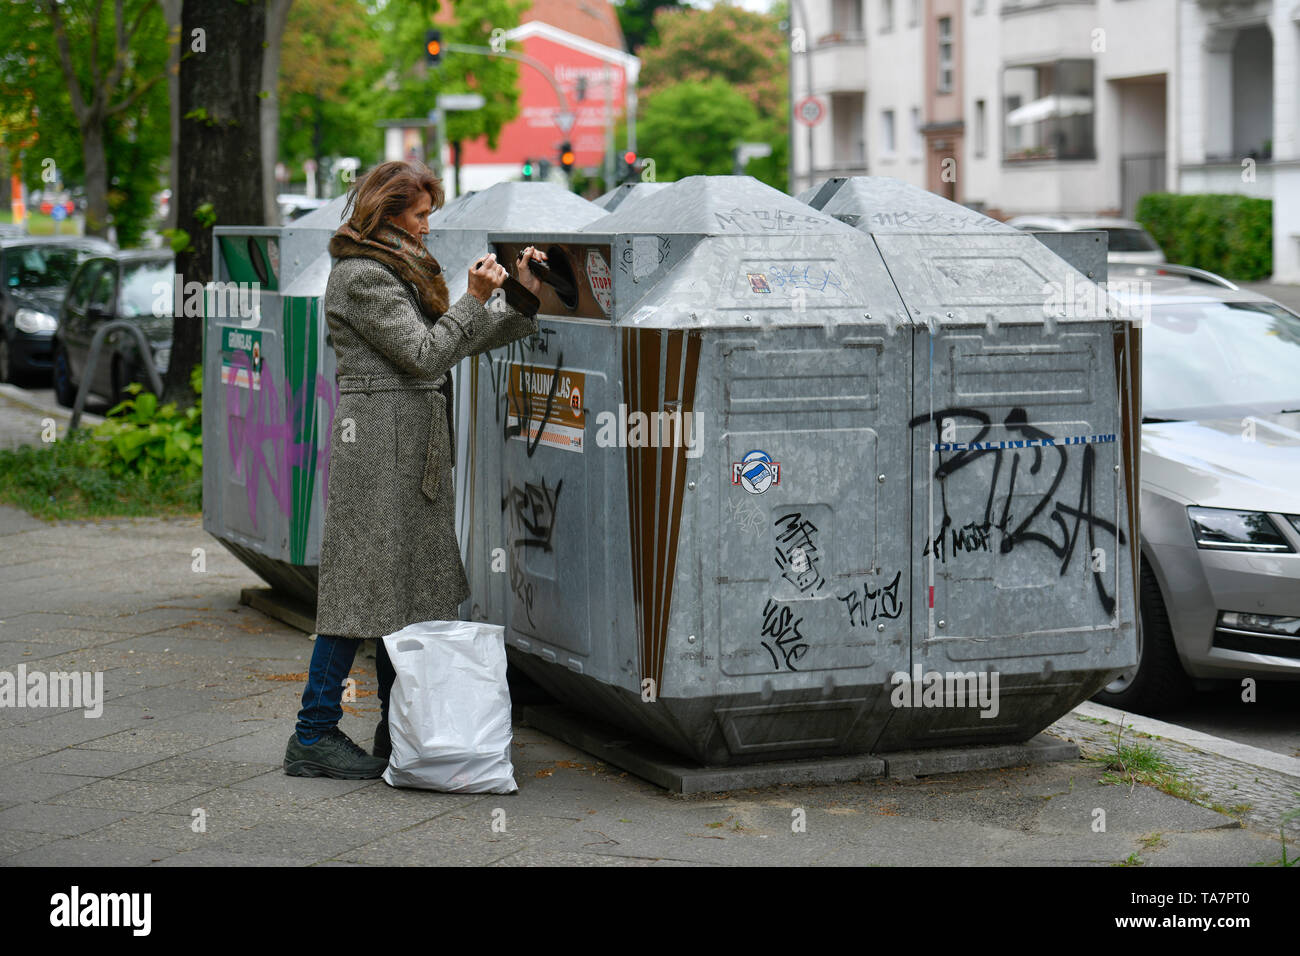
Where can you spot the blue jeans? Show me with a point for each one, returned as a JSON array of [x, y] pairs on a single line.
[[322, 701]]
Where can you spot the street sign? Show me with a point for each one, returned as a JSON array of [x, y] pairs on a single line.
[[564, 120], [810, 111], [60, 213], [460, 101]]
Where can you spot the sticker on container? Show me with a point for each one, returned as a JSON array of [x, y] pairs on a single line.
[[544, 406], [241, 357], [598, 276], [756, 472], [758, 282]]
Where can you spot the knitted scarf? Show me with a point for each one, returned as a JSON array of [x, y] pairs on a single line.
[[402, 252]]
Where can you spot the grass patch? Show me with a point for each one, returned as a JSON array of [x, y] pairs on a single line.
[[1133, 763], [67, 479]]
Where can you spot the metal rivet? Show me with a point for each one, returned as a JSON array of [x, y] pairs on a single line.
[[866, 315], [1117, 467], [949, 315], [880, 478], [690, 485], [880, 627], [690, 639], [746, 317], [942, 622]]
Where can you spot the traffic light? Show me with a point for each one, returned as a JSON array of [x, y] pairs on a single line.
[[629, 166], [528, 170], [566, 157], [433, 47]]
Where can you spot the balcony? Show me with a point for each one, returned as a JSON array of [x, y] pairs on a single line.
[[839, 63]]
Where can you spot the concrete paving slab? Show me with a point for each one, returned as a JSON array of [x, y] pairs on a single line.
[[51, 818], [197, 771], [170, 830], [18, 785], [84, 853], [1225, 847], [85, 763], [209, 857], [1135, 810], [290, 840], [17, 841], [119, 794]]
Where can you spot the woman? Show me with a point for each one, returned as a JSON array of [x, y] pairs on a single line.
[[389, 555]]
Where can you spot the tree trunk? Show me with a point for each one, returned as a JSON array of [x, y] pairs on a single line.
[[220, 156], [172, 14], [277, 13], [96, 162]]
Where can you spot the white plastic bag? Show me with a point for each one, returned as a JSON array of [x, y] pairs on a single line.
[[449, 713]]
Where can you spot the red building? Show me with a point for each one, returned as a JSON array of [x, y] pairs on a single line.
[[581, 43]]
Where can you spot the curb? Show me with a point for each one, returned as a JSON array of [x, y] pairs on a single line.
[[22, 397], [1207, 743]]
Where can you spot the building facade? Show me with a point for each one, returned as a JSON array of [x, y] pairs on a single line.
[[1057, 106]]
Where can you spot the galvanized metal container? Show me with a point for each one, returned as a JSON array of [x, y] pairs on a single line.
[[765, 458]]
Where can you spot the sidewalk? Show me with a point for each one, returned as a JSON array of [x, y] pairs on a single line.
[[23, 416], [183, 768]]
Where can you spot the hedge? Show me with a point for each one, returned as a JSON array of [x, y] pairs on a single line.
[[1227, 234]]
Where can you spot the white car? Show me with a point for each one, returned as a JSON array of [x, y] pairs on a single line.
[[1129, 242]]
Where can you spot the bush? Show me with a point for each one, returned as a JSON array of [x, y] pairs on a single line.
[[142, 438], [1227, 234]]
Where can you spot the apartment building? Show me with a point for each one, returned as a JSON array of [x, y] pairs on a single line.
[[1057, 106]]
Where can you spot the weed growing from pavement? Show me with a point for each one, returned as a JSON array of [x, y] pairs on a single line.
[[1132, 860], [1287, 817], [1141, 763]]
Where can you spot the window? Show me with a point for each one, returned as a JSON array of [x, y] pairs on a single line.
[[981, 128], [945, 55], [886, 16], [847, 112], [1048, 111], [81, 285], [102, 293], [978, 8], [138, 281], [913, 12], [916, 132], [887, 132], [846, 18]]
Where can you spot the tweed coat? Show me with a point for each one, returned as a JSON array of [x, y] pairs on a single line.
[[389, 555]]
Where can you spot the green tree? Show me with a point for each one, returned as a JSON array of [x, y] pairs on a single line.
[[690, 129], [409, 88], [724, 52], [636, 17], [746, 49], [87, 82], [330, 62]]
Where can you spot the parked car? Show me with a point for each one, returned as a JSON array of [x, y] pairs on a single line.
[[136, 286], [36, 271], [293, 206], [1220, 498], [1129, 242]]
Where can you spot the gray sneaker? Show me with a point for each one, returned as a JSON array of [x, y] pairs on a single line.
[[332, 755]]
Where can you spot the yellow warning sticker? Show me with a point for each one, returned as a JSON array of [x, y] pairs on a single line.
[[544, 406]]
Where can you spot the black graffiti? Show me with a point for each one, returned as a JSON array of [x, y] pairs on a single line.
[[532, 521], [521, 404], [780, 624], [532, 511], [882, 602], [1062, 540], [797, 554]]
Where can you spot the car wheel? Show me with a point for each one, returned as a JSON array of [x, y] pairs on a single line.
[[1158, 682], [65, 389]]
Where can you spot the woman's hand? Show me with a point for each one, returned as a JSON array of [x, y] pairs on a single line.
[[485, 276], [526, 278]]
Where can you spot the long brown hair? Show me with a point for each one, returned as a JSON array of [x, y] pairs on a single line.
[[387, 191]]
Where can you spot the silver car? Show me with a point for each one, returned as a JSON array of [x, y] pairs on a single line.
[[1220, 505], [1128, 241]]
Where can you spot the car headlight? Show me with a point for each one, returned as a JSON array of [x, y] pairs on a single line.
[[30, 320], [161, 359], [1222, 529]]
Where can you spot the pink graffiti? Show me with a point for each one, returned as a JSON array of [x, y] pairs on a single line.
[[267, 444]]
